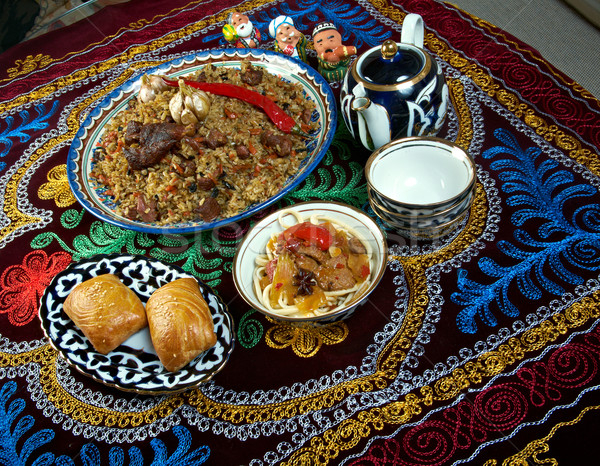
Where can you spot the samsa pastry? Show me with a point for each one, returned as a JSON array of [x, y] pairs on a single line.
[[106, 311], [180, 322]]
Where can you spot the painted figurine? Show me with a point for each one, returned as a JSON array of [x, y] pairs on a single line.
[[288, 40], [334, 57], [240, 31]]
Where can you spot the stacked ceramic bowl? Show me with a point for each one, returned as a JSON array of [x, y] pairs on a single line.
[[422, 187]]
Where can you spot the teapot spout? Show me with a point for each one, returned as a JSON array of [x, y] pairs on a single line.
[[373, 123]]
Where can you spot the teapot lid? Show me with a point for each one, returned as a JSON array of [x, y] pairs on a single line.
[[391, 66]]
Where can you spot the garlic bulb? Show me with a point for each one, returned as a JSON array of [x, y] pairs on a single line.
[[150, 87], [189, 105]]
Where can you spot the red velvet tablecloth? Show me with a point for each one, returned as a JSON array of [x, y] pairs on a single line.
[[481, 348]]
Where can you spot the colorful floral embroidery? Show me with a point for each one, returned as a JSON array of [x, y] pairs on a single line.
[[57, 187], [305, 339], [23, 285]]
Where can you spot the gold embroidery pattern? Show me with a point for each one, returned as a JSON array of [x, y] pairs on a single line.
[[57, 187], [305, 339], [28, 65], [534, 449], [347, 434], [46, 357], [459, 102]]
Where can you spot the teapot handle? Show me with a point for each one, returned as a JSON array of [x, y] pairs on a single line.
[[413, 30]]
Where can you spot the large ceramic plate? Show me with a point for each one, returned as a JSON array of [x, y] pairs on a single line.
[[133, 366], [79, 162]]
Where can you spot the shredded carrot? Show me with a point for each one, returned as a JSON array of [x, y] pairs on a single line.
[[251, 148], [255, 131], [178, 168], [230, 114]]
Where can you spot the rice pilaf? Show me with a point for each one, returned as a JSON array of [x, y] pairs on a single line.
[[219, 167]]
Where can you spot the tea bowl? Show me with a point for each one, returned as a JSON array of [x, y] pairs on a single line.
[[420, 183]]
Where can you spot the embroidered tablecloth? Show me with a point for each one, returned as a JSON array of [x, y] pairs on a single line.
[[480, 348]]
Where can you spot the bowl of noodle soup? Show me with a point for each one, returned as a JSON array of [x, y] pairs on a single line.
[[310, 262]]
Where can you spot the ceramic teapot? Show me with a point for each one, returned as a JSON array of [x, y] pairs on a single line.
[[395, 90]]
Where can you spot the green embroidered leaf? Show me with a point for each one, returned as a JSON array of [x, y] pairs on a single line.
[[192, 251], [349, 188], [71, 218], [250, 331], [104, 239]]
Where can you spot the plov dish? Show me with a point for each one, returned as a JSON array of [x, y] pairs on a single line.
[[166, 157]]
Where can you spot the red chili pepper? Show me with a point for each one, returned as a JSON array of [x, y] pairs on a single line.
[[312, 233], [281, 119], [365, 271]]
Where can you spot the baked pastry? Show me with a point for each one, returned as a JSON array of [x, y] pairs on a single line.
[[180, 322], [106, 311]]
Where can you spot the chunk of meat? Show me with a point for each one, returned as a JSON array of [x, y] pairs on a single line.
[[334, 279], [306, 116], [338, 262], [216, 139], [208, 209], [356, 246], [146, 210], [205, 183], [311, 251], [155, 141], [252, 76], [242, 151], [280, 143], [306, 263], [132, 132]]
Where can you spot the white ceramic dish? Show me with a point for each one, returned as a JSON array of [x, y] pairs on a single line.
[[134, 365], [256, 239], [79, 163], [420, 229], [420, 176]]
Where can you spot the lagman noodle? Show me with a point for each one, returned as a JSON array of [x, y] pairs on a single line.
[[335, 300]]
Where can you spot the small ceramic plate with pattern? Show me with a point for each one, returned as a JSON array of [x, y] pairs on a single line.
[[158, 212], [133, 366]]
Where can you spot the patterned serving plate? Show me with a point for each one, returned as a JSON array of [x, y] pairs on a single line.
[[133, 366], [79, 163]]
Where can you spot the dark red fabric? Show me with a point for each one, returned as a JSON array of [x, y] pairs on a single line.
[[439, 394]]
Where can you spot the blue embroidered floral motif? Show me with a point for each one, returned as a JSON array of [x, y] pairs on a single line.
[[20, 132], [89, 454], [9, 413], [567, 238]]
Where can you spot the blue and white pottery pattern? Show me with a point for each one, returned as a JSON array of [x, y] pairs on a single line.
[[134, 365], [416, 106]]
